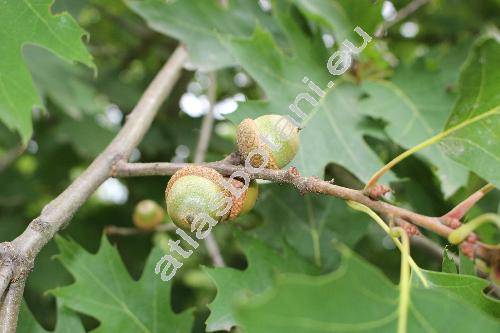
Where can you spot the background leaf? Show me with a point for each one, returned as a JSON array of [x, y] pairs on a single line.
[[280, 72], [416, 103], [234, 285], [104, 290], [332, 130], [308, 223], [190, 20], [448, 265], [292, 305], [342, 16], [261, 51], [469, 288], [67, 321], [476, 144], [65, 84], [24, 22]]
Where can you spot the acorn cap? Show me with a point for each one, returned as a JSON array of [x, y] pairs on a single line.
[[237, 202], [242, 205], [190, 191], [197, 170], [248, 139]]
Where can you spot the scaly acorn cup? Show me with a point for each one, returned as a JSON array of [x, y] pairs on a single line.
[[147, 215], [246, 201], [193, 190], [281, 132]]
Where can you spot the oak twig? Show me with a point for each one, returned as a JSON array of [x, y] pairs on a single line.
[[305, 185], [113, 230], [207, 123], [5, 276], [9, 308], [21, 252]]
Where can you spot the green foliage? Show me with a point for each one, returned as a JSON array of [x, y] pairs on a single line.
[[341, 16], [448, 263], [356, 297], [477, 112], [104, 289], [466, 265], [31, 22], [76, 133], [415, 104], [186, 20], [235, 286], [67, 321], [283, 83], [279, 73], [63, 83], [468, 288], [283, 273], [308, 224]]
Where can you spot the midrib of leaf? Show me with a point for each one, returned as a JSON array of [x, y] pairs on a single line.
[[123, 304], [313, 232], [324, 216], [469, 121], [429, 142]]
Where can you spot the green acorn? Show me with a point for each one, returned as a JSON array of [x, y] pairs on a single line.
[[276, 134], [193, 190], [197, 189], [148, 215]]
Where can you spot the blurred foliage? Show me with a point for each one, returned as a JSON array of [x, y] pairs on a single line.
[[83, 110]]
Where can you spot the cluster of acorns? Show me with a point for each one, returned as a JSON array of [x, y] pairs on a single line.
[[191, 190]]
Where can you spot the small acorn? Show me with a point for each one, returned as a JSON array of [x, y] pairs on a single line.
[[148, 215], [276, 134], [192, 190]]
